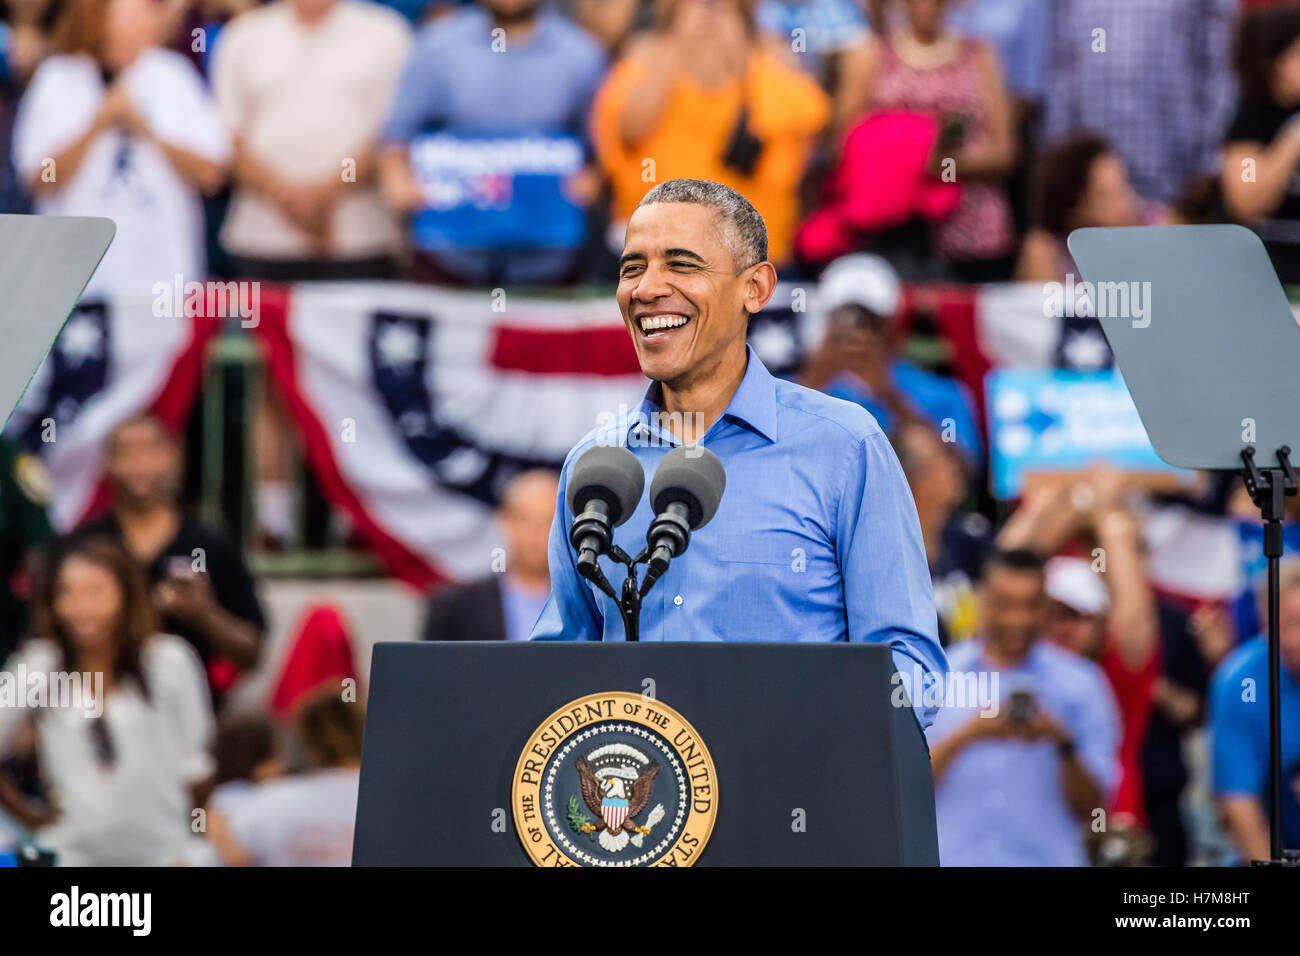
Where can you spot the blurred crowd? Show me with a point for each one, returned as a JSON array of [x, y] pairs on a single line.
[[887, 143], [960, 139]]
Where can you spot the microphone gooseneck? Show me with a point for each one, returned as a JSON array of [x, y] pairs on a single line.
[[668, 536], [591, 533], [604, 489]]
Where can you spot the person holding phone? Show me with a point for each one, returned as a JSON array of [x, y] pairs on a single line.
[[922, 66], [705, 96], [860, 357], [200, 586], [1027, 754]]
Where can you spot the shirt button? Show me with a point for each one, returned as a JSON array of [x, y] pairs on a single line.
[[678, 600]]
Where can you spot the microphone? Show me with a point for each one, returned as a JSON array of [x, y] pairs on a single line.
[[685, 493], [604, 489]]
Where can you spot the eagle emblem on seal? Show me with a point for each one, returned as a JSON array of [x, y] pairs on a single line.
[[616, 781]]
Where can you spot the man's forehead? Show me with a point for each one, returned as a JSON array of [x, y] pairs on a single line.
[[659, 227]]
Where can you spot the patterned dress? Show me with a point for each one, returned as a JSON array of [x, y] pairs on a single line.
[[981, 227]]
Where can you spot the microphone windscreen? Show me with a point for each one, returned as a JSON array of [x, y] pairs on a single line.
[[611, 474], [691, 474]]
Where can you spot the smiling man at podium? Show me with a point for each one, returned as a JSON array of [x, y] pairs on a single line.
[[816, 538]]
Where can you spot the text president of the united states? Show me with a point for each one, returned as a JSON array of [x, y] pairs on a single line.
[[816, 538]]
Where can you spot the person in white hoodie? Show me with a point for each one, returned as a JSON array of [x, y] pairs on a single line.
[[113, 125]]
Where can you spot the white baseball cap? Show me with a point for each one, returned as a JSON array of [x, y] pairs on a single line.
[[860, 279], [1073, 582]]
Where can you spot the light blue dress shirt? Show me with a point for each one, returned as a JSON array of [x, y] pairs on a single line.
[[816, 538], [1001, 802]]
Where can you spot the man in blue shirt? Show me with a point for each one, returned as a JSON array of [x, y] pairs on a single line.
[[498, 68], [816, 538], [1025, 750], [1238, 700]]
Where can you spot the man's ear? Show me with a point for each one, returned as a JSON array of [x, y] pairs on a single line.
[[759, 286]]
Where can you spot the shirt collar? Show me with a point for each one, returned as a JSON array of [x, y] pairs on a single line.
[[753, 405]]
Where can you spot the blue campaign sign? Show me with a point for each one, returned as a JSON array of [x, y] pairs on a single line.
[[496, 191], [1057, 420]]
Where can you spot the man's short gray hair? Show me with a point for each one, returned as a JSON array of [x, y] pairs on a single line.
[[743, 228]]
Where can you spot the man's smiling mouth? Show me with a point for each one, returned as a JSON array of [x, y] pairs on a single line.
[[655, 325]]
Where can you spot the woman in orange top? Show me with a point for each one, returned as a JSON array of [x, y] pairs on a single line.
[[704, 97]]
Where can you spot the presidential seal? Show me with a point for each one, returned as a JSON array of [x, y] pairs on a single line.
[[614, 780]]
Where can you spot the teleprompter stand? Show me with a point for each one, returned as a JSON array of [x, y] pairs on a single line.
[[1210, 351], [1269, 488]]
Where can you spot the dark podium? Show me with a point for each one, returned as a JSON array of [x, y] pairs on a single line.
[[774, 754]]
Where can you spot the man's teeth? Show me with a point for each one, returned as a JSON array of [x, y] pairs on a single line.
[[653, 323]]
